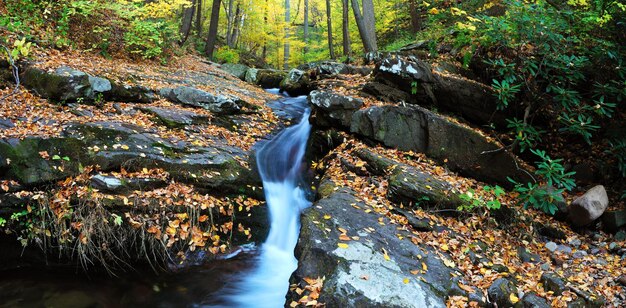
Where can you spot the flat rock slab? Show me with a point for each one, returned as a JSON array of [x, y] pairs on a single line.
[[359, 274], [219, 104], [461, 148], [174, 118]]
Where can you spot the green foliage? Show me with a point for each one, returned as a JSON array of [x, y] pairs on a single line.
[[488, 199], [554, 181], [144, 38], [227, 55], [3, 222], [526, 135], [505, 92], [617, 151]]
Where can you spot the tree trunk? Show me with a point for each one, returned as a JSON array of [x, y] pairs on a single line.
[[198, 18], [185, 26], [370, 23], [331, 49], [365, 39], [306, 26], [238, 26], [265, 13], [416, 23], [212, 37], [230, 20], [345, 29], [287, 21]]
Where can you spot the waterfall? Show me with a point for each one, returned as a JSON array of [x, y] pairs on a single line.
[[280, 163]]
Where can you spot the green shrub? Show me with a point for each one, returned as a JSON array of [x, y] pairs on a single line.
[[227, 55], [488, 200]]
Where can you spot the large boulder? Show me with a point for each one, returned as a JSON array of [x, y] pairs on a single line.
[[470, 99], [613, 220], [266, 78], [461, 148], [372, 271], [219, 104], [237, 70], [330, 109], [66, 84], [296, 83], [323, 69], [589, 207]]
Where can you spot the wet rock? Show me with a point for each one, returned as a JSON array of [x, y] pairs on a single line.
[[526, 256], [575, 242], [409, 186], [296, 83], [174, 118], [579, 254], [554, 283], [589, 207], [614, 220], [532, 300], [77, 110], [114, 185], [564, 249], [591, 300], [266, 78], [66, 84], [219, 104], [545, 266], [620, 236], [359, 275], [237, 70], [499, 268], [461, 148], [332, 109], [500, 292]]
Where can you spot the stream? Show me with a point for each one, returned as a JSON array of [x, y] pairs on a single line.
[[256, 277]]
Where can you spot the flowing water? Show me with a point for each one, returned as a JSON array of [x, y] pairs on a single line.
[[257, 277], [281, 165]]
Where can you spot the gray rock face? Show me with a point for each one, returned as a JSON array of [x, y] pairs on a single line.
[[113, 145], [237, 70], [189, 96], [589, 207], [359, 275], [415, 128], [70, 85], [325, 69], [525, 256], [296, 83], [333, 109], [473, 100], [500, 292], [173, 118]]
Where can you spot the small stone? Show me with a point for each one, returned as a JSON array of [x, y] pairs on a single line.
[[601, 261], [595, 251], [622, 280], [613, 246], [500, 268], [564, 249], [575, 242], [551, 246], [500, 292], [526, 256], [535, 301], [579, 254], [620, 236], [545, 266]]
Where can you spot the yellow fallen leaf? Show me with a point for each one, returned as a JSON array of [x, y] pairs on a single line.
[[424, 266], [385, 255], [327, 216], [342, 245], [513, 298], [444, 247], [405, 280]]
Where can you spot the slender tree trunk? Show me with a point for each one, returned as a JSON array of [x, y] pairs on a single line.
[[265, 19], [230, 20], [306, 26], [368, 38], [185, 27], [287, 21], [416, 23], [212, 36], [199, 18], [238, 26], [331, 49], [235, 24], [345, 28]]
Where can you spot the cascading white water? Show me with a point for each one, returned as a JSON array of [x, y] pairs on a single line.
[[280, 164]]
